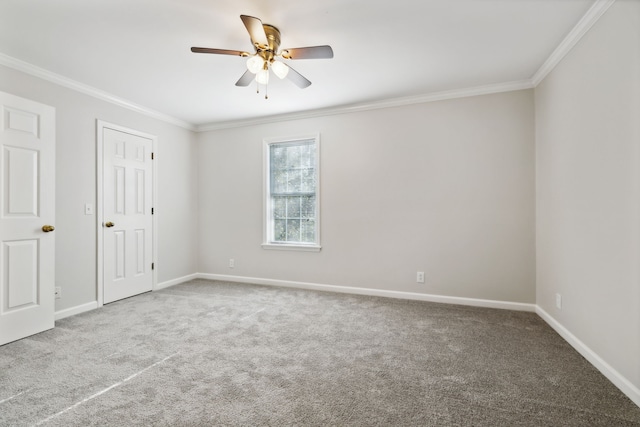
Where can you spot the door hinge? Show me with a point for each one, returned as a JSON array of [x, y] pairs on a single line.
[[151, 211], [153, 265], [152, 156]]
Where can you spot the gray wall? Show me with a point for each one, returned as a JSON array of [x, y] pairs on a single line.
[[588, 182], [445, 187], [76, 116]]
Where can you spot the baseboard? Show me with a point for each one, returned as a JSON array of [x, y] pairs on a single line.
[[374, 292], [75, 310], [630, 390], [612, 375], [174, 282], [94, 304]]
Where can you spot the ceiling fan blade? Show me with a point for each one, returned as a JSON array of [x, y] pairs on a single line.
[[311, 52], [256, 31], [246, 79], [298, 79], [219, 51]]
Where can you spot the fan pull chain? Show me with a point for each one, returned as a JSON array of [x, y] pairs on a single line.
[[266, 90]]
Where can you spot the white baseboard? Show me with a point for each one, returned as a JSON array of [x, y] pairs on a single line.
[[614, 376], [374, 292], [630, 390], [174, 282], [94, 304], [75, 310]]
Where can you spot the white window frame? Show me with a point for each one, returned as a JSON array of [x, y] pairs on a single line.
[[268, 241]]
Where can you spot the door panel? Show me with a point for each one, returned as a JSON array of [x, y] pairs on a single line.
[[21, 181], [127, 184], [27, 138], [21, 263]]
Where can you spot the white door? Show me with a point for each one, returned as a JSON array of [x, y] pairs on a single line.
[[27, 213], [127, 222]]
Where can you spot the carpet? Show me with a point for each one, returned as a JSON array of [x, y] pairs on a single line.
[[208, 353]]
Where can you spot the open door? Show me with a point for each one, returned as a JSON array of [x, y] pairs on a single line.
[[27, 214]]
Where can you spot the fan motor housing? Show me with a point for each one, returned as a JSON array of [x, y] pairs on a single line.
[[273, 36]]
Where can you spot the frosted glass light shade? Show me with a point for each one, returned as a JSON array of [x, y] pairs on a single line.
[[279, 69], [255, 64], [262, 77]]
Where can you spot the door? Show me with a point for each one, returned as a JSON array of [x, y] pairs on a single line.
[[127, 208], [27, 213]]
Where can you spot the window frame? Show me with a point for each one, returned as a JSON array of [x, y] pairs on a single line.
[[267, 216]]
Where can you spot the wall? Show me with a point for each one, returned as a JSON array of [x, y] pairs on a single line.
[[588, 166], [76, 116], [445, 187]]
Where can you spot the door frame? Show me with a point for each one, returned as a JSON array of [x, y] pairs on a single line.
[[100, 126]]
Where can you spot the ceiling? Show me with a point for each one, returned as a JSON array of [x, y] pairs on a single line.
[[139, 50]]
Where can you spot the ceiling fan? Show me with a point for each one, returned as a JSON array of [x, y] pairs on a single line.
[[266, 43]]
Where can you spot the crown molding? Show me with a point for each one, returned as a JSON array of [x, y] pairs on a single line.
[[49, 76], [582, 27], [374, 105]]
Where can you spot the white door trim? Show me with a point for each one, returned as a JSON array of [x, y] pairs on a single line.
[[100, 126]]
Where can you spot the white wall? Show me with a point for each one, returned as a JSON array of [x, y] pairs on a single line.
[[445, 187], [588, 171], [76, 116]]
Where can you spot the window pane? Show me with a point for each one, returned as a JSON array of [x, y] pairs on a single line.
[[308, 183], [312, 157], [293, 207], [308, 231], [278, 157], [294, 181], [279, 207], [305, 156], [279, 232], [279, 181], [293, 156], [293, 230], [308, 207]]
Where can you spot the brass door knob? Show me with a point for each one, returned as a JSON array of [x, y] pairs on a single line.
[[48, 228], [109, 224]]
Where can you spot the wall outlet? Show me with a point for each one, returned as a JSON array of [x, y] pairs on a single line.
[[232, 263], [559, 301], [58, 292], [420, 277]]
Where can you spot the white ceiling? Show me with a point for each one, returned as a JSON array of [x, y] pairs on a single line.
[[138, 50]]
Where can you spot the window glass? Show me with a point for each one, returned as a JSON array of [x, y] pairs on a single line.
[[292, 186]]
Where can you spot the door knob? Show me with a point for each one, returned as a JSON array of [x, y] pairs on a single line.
[[48, 228], [109, 224]]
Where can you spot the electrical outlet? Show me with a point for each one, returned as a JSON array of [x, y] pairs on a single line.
[[559, 301], [58, 292], [420, 277], [232, 263]]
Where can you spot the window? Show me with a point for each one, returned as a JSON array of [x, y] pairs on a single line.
[[291, 194]]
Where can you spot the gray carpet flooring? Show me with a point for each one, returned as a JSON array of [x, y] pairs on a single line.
[[213, 353]]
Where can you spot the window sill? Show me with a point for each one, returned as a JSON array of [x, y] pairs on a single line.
[[289, 247]]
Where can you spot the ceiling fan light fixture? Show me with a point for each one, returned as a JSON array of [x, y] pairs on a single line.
[[255, 64], [266, 43], [280, 69], [262, 77]]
